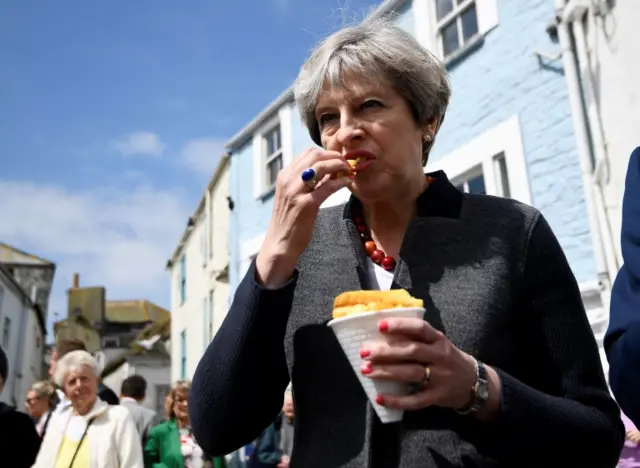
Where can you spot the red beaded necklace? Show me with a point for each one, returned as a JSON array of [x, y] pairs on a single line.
[[376, 255]]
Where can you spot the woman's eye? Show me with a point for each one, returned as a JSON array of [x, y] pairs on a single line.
[[326, 118], [370, 103]]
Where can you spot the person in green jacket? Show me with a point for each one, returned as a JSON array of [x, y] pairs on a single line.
[[171, 444]]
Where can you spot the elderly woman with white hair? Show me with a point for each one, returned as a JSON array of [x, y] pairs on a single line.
[[505, 368], [89, 433]]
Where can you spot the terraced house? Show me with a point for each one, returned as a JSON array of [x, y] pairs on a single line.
[[199, 271], [520, 125]]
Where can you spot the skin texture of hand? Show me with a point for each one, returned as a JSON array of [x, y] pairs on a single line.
[[295, 210], [633, 436], [411, 345], [284, 462]]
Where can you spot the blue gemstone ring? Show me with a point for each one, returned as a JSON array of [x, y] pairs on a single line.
[[308, 176]]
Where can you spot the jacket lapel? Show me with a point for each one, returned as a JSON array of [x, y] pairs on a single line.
[[173, 442]]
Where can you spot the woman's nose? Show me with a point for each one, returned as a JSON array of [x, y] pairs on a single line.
[[349, 131]]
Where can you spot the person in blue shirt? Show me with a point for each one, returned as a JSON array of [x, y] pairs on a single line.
[[622, 340]]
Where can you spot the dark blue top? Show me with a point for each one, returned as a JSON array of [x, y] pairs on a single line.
[[622, 341]]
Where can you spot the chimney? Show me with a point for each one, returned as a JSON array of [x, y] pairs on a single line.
[[76, 280]]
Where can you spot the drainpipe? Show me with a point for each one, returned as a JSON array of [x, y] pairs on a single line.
[[574, 15], [585, 153]]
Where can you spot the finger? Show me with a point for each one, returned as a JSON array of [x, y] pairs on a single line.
[[420, 400], [329, 167], [410, 373], [395, 349], [313, 155], [415, 328], [328, 188]]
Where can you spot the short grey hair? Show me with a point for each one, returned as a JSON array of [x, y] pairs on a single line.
[[74, 360], [380, 52], [43, 389]]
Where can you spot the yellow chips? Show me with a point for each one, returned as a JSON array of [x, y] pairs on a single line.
[[353, 163], [355, 302]]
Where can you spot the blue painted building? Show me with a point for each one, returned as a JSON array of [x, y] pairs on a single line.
[[508, 130]]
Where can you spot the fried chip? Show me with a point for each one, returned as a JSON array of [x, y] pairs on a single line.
[[353, 163], [355, 302]]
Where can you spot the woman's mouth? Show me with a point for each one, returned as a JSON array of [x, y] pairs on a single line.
[[360, 160]]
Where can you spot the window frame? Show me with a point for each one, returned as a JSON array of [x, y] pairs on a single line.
[[485, 150], [183, 354], [455, 16], [182, 279], [428, 27], [262, 189], [115, 342], [268, 158]]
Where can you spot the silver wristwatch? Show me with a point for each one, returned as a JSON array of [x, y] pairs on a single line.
[[480, 391]]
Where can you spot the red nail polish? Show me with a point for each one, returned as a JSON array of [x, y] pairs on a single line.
[[366, 368], [364, 353], [380, 400], [383, 326]]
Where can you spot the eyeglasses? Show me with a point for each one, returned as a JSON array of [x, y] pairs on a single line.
[[31, 401]]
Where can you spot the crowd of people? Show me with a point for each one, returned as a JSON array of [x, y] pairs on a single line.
[[73, 420]]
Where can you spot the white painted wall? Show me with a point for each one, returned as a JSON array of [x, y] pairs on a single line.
[[613, 44], [187, 316], [220, 219], [206, 302], [23, 344]]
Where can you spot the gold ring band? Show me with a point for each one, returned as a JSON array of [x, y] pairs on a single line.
[[426, 378]]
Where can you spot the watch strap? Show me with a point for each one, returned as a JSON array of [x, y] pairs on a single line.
[[480, 391]]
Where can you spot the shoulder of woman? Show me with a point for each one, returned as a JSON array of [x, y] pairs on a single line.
[[161, 428], [119, 413], [492, 212]]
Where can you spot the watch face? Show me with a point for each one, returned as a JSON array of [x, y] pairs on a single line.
[[483, 391]]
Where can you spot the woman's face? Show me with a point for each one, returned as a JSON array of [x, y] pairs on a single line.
[[377, 120], [181, 405], [81, 387], [36, 406]]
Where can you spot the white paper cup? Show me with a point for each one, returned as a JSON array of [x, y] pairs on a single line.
[[354, 330]]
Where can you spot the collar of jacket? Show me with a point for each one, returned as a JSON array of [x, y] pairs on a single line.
[[440, 200], [98, 409]]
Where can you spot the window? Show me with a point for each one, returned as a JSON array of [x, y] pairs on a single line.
[[272, 143], [183, 354], [492, 163], [502, 176], [457, 22], [6, 333], [110, 342], [472, 182], [183, 279]]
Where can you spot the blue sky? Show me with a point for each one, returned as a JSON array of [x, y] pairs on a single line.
[[113, 113]]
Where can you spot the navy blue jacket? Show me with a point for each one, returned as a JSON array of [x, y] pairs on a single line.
[[622, 341]]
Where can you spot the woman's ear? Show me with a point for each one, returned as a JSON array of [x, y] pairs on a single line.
[[431, 127]]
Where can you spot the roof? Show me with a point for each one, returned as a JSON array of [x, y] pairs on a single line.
[[163, 328], [215, 178], [287, 96], [35, 307], [138, 311], [12, 255]]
